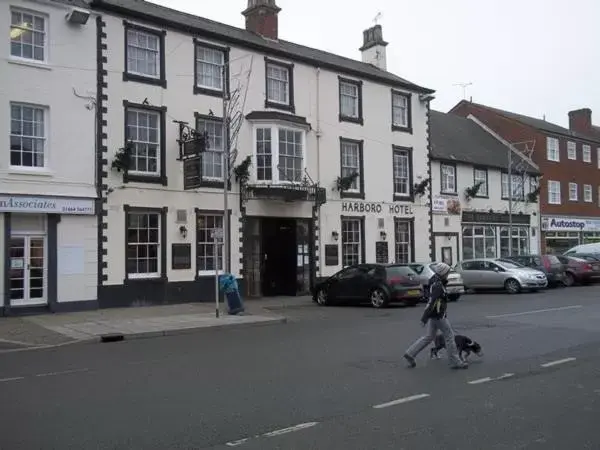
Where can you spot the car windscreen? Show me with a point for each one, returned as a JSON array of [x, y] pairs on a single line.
[[509, 264], [399, 271]]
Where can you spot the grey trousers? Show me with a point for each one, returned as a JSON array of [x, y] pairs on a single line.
[[432, 326]]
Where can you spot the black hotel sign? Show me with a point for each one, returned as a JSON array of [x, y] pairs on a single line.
[[393, 209]]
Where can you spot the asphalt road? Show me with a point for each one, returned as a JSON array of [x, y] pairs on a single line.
[[332, 378]]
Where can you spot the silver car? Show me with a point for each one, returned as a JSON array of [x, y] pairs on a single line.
[[455, 287], [494, 273]]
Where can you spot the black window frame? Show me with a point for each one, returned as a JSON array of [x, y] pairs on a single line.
[[361, 165], [359, 85], [162, 212], [409, 127], [199, 90], [411, 191], [161, 34], [290, 107], [453, 165], [162, 177], [487, 181]]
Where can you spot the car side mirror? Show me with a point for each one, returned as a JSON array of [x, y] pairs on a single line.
[[496, 269]]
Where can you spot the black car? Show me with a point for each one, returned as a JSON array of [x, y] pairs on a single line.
[[378, 284]]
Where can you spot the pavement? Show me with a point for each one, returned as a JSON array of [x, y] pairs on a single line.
[[48, 330], [331, 378]]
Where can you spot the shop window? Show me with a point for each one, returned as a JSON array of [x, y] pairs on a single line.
[[520, 241], [479, 241]]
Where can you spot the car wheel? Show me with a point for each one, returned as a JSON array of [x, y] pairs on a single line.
[[379, 298], [453, 297], [322, 298], [569, 279], [512, 286]]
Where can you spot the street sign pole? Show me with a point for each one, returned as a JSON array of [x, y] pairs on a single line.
[[217, 234]]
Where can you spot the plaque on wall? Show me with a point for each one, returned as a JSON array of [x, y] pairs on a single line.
[[331, 255], [181, 256], [381, 252]]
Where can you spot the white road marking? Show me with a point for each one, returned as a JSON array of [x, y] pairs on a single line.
[[401, 400], [480, 380], [5, 380], [557, 362], [505, 376], [537, 311], [64, 372], [238, 442], [298, 427]]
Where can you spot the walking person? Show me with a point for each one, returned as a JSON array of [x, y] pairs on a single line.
[[435, 319]]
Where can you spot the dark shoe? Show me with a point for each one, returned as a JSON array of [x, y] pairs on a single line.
[[411, 361], [462, 365]]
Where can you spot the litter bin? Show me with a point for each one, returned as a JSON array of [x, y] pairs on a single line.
[[229, 286]]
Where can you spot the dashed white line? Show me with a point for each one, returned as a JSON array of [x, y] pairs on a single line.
[[63, 372], [480, 380], [6, 380], [537, 311], [401, 401], [505, 376], [238, 442], [557, 362], [298, 427]]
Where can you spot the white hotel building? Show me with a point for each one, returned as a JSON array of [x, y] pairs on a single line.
[[48, 224]]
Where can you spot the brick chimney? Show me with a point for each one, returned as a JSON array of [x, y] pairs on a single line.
[[261, 18], [373, 48], [580, 120]]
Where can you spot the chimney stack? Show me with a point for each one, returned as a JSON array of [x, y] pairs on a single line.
[[373, 48], [261, 18], [580, 120]]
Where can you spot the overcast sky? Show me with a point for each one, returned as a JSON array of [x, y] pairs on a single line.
[[535, 57]]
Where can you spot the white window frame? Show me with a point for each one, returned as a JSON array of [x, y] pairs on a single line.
[[402, 247], [147, 50], [517, 188], [44, 46], [356, 184], [446, 175], [353, 245], [573, 192], [147, 142], [402, 154], [143, 275], [209, 243], [587, 193], [586, 153], [45, 138], [286, 83], [554, 195], [212, 148], [401, 109], [354, 97], [552, 149], [483, 190], [275, 127], [210, 65], [572, 150]]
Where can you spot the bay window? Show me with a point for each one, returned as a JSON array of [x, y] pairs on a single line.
[[280, 153]]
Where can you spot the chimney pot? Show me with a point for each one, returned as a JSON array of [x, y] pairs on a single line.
[[261, 18], [373, 48]]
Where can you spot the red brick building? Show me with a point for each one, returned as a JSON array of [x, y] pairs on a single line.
[[569, 159]]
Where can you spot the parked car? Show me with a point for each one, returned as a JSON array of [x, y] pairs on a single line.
[[549, 264], [495, 273], [455, 286], [580, 270], [587, 256], [594, 247], [379, 284]]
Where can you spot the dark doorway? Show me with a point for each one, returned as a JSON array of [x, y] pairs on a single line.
[[279, 256]]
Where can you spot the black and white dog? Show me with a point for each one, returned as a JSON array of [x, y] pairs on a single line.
[[464, 345]]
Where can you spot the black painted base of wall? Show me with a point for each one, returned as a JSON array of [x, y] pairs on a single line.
[[19, 311], [159, 292]]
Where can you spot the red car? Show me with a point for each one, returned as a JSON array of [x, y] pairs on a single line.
[[581, 270]]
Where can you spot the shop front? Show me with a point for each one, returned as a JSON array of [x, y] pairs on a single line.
[[560, 233], [489, 235], [49, 247]]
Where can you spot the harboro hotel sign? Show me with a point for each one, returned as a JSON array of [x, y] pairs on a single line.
[[395, 209], [46, 205]]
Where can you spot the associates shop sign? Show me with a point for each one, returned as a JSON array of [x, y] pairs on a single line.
[[46, 205], [569, 224]]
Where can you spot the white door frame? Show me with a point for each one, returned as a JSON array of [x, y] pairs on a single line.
[[26, 300]]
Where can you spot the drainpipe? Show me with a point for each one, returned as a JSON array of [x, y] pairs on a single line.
[[318, 134]]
